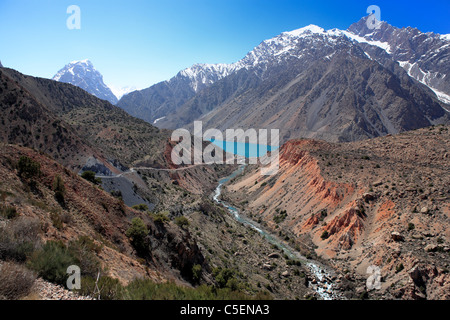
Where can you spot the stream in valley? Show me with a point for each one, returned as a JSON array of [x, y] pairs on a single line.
[[322, 276]]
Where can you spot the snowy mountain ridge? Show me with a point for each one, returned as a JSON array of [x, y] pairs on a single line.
[[81, 73]]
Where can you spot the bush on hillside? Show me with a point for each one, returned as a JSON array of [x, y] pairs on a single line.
[[28, 168], [107, 288], [90, 176], [182, 222], [19, 239], [59, 189], [52, 261], [138, 233], [16, 281]]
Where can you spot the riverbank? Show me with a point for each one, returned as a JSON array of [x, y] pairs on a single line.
[[322, 279]]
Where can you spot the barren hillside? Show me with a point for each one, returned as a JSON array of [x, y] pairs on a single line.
[[382, 202]]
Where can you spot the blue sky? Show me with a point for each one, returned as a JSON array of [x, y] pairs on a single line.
[[141, 42]]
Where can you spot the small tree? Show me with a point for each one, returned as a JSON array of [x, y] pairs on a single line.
[[90, 176], [60, 189], [140, 207], [52, 261], [196, 272], [28, 168], [182, 222], [138, 233]]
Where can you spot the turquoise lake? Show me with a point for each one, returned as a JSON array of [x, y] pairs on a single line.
[[248, 150]]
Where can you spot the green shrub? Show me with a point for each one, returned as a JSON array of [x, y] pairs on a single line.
[[140, 207], [160, 217], [59, 189], [58, 184], [28, 168], [196, 272], [8, 212], [364, 295], [90, 176], [138, 233], [280, 217], [411, 226], [56, 220], [107, 288], [223, 276], [399, 268], [52, 261], [182, 222], [324, 235], [149, 290], [85, 251], [116, 194]]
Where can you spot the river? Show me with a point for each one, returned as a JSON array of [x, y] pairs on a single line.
[[322, 284]]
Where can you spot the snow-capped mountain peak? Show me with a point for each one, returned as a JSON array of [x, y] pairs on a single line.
[[203, 74], [445, 37], [82, 73], [310, 29]]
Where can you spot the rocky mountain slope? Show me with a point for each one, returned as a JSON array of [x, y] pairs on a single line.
[[423, 55], [154, 103], [120, 139], [382, 202], [87, 211], [27, 122], [63, 122], [83, 75], [335, 85]]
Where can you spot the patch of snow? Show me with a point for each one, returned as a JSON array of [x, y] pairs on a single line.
[[443, 97], [204, 73], [425, 78], [311, 29], [383, 45], [445, 37], [119, 92], [159, 119], [368, 56]]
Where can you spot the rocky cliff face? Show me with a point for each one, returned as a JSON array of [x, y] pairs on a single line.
[[425, 56], [381, 202]]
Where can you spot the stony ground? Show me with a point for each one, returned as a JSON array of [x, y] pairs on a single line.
[[49, 291]]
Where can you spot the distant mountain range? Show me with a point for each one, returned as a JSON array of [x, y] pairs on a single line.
[[83, 75], [335, 85]]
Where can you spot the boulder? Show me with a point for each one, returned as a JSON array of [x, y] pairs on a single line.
[[416, 276], [285, 274], [378, 183], [267, 267], [431, 248], [396, 236], [368, 197]]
